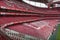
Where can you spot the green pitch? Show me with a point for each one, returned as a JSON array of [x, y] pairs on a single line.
[[58, 33]]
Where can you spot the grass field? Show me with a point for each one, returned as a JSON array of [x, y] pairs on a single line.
[[58, 33]]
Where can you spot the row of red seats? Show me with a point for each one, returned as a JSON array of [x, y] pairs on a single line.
[[32, 30], [21, 6]]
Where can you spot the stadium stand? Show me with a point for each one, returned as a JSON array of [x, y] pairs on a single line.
[[32, 27]]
